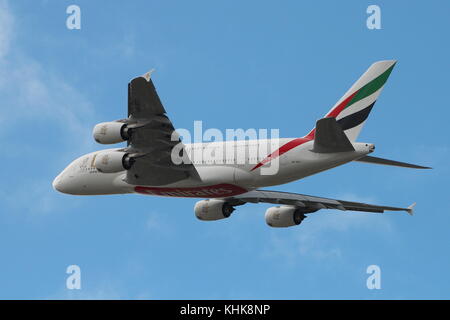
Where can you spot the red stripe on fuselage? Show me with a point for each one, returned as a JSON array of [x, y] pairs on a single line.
[[283, 149]]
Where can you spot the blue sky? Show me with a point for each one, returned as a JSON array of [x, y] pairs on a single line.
[[230, 64]]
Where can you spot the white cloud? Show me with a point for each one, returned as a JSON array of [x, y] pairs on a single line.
[[34, 97], [105, 291], [159, 225], [153, 222], [6, 30], [30, 92]]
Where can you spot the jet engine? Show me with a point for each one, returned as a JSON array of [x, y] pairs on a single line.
[[113, 161], [111, 132], [284, 216], [212, 209]]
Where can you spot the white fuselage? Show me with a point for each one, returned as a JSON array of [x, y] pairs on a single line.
[[224, 168]]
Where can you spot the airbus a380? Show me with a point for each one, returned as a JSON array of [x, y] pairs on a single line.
[[147, 165]]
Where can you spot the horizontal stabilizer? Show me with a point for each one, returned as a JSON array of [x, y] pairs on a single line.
[[330, 138], [387, 162]]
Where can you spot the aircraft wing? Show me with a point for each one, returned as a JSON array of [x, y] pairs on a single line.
[[151, 141], [308, 203]]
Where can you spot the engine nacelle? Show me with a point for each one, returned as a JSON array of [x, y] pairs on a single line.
[[284, 216], [113, 161], [212, 209], [110, 132]]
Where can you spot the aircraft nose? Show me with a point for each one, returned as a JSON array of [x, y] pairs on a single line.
[[57, 184], [62, 184], [66, 184]]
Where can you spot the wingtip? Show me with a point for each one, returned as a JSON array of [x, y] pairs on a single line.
[[421, 167], [410, 209], [148, 75]]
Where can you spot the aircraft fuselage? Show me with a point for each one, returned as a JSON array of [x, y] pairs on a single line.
[[222, 173]]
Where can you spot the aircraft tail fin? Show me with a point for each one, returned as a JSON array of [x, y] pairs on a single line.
[[352, 110]]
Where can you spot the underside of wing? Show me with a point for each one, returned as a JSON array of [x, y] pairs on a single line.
[[308, 204], [152, 138]]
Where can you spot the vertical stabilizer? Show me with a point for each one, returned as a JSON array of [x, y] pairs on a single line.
[[352, 110]]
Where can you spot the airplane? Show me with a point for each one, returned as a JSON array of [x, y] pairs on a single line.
[[146, 165]]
